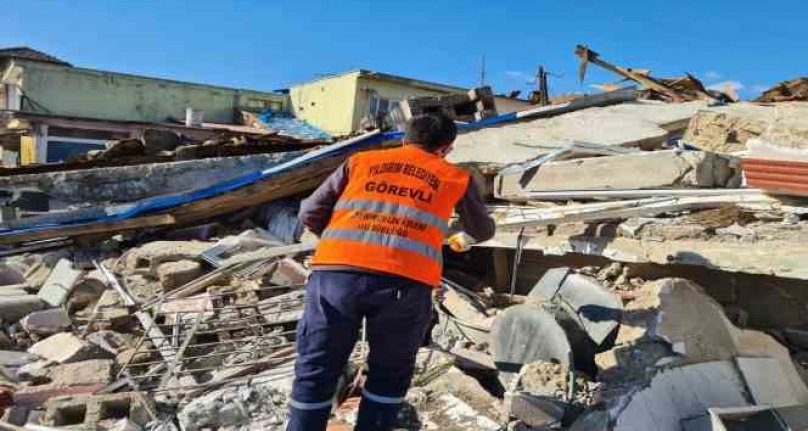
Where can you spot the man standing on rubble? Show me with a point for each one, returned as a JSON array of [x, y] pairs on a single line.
[[381, 218]]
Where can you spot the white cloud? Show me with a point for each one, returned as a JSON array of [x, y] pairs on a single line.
[[521, 76], [760, 88], [721, 86], [712, 75]]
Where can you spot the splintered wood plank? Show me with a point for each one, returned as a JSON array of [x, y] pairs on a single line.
[[90, 228]]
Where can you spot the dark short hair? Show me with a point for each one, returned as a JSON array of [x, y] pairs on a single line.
[[431, 131]]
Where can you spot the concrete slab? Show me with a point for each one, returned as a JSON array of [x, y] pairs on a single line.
[[754, 257], [671, 169], [769, 382], [640, 123], [129, 183], [717, 384]]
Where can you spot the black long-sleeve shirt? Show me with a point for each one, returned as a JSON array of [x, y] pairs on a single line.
[[316, 210]]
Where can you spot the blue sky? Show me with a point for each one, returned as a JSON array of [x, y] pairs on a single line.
[[272, 44]]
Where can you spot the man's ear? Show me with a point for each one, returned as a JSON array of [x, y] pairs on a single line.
[[445, 150]]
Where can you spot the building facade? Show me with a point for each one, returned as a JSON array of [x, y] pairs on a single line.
[[91, 106], [347, 103]]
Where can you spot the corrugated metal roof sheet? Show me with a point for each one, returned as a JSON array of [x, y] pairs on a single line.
[[777, 176]]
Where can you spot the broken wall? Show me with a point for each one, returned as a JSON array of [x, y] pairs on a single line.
[[728, 128], [129, 183], [88, 93]]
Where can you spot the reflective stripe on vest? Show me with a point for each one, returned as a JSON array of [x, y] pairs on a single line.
[[394, 209], [393, 214], [393, 241]]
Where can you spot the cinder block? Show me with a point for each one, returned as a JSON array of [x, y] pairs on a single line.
[[90, 410], [59, 283]]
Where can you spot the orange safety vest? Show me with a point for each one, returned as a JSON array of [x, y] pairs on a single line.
[[394, 213]]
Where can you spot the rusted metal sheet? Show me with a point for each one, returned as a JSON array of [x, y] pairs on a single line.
[[777, 176]]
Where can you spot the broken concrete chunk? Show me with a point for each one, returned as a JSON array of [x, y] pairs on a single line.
[[92, 372], [523, 334], [14, 359], [535, 411], [595, 420], [65, 347], [59, 284], [769, 383], [175, 274], [459, 416], [87, 290], [33, 369], [259, 404], [9, 275], [12, 308], [152, 254], [289, 272], [36, 396], [597, 310], [671, 169], [681, 393], [46, 322], [467, 389]]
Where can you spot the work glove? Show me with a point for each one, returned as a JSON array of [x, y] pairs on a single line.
[[460, 242]]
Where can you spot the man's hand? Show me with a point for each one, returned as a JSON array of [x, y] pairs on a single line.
[[460, 242]]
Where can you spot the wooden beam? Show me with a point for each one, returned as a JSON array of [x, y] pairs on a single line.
[[587, 56], [90, 228]]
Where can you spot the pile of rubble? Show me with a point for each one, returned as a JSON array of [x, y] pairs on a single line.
[[648, 273], [109, 337]]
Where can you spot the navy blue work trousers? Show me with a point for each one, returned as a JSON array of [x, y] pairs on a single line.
[[398, 313]]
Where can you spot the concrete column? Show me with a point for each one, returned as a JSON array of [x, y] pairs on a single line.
[[40, 132]]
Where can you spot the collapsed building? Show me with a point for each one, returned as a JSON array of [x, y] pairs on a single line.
[[648, 273]]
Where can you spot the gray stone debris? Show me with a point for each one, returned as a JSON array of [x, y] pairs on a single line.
[[255, 406], [13, 307], [65, 347], [175, 274], [534, 411], [46, 322]]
